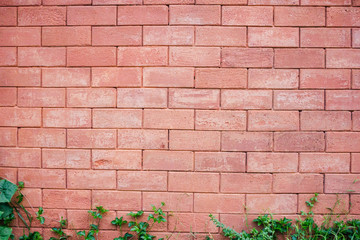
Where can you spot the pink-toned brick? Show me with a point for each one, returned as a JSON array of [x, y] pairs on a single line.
[[20, 117], [356, 79], [142, 98], [116, 159], [66, 77], [8, 96], [247, 57], [342, 183], [343, 58], [41, 137], [219, 203], [343, 16], [220, 36], [193, 182], [91, 179], [91, 138], [299, 58], [326, 2], [142, 139], [299, 100], [324, 162], [356, 38], [131, 180], [33, 197], [297, 183], [41, 56], [246, 141], [274, 203], [41, 16], [194, 15], [325, 78], [343, 100], [168, 77], [8, 137], [325, 120], [173, 201], [194, 140], [80, 219], [325, 202], [65, 158], [20, 157], [197, 222], [18, 36], [168, 119], [273, 78], [8, 16], [168, 160], [67, 2], [222, 2], [273, 37], [19, 77], [273, 2], [356, 120], [294, 16], [355, 204], [272, 162], [325, 37], [220, 120], [92, 97], [246, 99], [42, 178], [70, 36], [220, 78], [66, 118], [69, 199], [91, 15], [91, 56], [117, 118], [9, 174], [116, 200], [116, 36], [194, 98], [273, 120], [115, 2], [245, 183], [168, 35], [41, 97], [299, 141], [342, 141], [116, 77], [8, 56], [194, 56], [142, 56], [142, 15], [247, 16], [220, 161]]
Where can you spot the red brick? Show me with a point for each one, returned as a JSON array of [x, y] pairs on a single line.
[[131, 180], [247, 16], [168, 77], [41, 97], [168, 160], [92, 97], [19, 77], [91, 56], [142, 56], [324, 162], [65, 158], [66, 77], [273, 2], [325, 37], [274, 203], [42, 137], [42, 178], [8, 137], [273, 78], [197, 222], [273, 120], [9, 174], [299, 100], [342, 141], [53, 214], [294, 16], [194, 98], [33, 197], [325, 201], [324, 78], [168, 35], [193, 182], [41, 16], [356, 38], [299, 58], [220, 78], [116, 77], [70, 36], [273, 37], [220, 161], [18, 36], [356, 120], [247, 57], [343, 58], [246, 141], [355, 204], [41, 56], [220, 120], [220, 36], [117, 118], [20, 157], [7, 96], [342, 183], [8, 56], [343, 16], [326, 2], [115, 36], [245, 183], [66, 118], [20, 117], [299, 141], [115, 200], [325, 120], [168, 119], [195, 15], [356, 2], [8, 16], [91, 15], [219, 203], [142, 98], [69, 199], [222, 2], [246, 99], [355, 79], [142, 139], [115, 159], [66, 2], [142, 15], [80, 219], [297, 183], [343, 100], [174, 202], [116, 2], [272, 162], [91, 179], [194, 140], [194, 56], [91, 138]]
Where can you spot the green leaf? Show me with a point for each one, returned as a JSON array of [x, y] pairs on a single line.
[[7, 190], [5, 232], [7, 213]]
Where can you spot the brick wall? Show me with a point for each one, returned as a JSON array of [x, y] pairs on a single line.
[[208, 106]]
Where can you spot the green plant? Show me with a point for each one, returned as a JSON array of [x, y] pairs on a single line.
[[59, 231], [97, 215]]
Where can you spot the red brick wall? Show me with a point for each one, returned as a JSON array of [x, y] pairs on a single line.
[[208, 105]]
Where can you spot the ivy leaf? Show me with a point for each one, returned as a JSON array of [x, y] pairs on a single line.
[[7, 190], [5, 232]]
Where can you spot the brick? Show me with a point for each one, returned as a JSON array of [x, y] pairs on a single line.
[[355, 204], [274, 203], [194, 15], [246, 141], [41, 137], [343, 16], [343, 100], [299, 100], [220, 161], [19, 77], [168, 35], [220, 36], [325, 78], [299, 142], [194, 98], [324, 162], [247, 16], [80, 219], [326, 201], [116, 2], [41, 16], [55, 214], [142, 56], [168, 77], [8, 137], [220, 78], [272, 162], [66, 77], [273, 37], [194, 140], [20, 117], [9, 174], [8, 56], [355, 79], [142, 139], [193, 182], [174, 202], [168, 160], [197, 222], [273, 2], [91, 179], [273, 78], [91, 15], [142, 98], [66, 118], [116, 77], [325, 120], [342, 183], [168, 119], [294, 16], [91, 56], [219, 203], [326, 2], [131, 180], [115, 159], [194, 56], [41, 97], [356, 3], [42, 178], [65, 158], [69, 199], [8, 16], [8, 96], [343, 58], [356, 120], [356, 38], [33, 197], [117, 36], [273, 120], [117, 118], [66, 2], [245, 183], [91, 138], [18, 36], [220, 120], [299, 58], [342, 141], [142, 15], [41, 56], [116, 200], [222, 2], [93, 97], [20, 157], [297, 183], [247, 57], [246, 99], [70, 36], [325, 37]]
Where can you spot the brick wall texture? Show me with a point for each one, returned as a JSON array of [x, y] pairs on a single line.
[[207, 105]]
